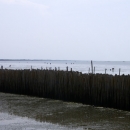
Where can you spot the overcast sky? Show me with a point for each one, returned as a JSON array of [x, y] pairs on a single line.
[[65, 29]]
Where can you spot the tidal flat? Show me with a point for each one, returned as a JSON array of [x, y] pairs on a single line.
[[19, 112]]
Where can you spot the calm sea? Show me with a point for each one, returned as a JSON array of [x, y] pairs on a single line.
[[82, 66]]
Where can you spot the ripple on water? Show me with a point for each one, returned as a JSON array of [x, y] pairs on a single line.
[[39, 113]]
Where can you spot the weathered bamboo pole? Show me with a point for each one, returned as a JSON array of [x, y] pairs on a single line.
[[1, 67], [105, 71], [92, 66], [119, 71], [94, 89], [67, 68]]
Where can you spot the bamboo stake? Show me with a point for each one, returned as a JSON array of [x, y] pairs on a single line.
[[99, 89], [119, 71], [92, 66], [67, 68], [2, 67], [105, 71]]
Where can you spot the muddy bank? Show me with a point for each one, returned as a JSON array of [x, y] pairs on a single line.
[[22, 112]]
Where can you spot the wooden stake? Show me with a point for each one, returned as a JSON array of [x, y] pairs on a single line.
[[2, 67], [119, 71], [92, 66], [94, 69], [105, 71], [67, 68]]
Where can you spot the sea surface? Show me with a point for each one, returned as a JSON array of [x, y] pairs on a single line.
[[81, 66], [21, 112]]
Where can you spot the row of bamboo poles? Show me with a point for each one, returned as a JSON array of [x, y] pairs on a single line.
[[93, 89]]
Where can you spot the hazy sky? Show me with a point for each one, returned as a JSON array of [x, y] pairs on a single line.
[[65, 29]]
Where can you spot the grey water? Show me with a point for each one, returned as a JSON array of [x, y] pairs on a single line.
[[81, 66], [20, 112]]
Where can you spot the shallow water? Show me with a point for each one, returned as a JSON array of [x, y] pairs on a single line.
[[19, 112], [82, 66]]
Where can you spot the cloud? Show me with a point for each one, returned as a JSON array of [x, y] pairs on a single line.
[[42, 8]]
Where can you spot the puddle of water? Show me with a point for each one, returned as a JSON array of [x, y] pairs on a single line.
[[30, 113]]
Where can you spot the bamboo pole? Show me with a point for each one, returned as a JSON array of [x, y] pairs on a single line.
[[105, 71], [67, 68], [98, 90], [92, 66], [1, 67], [119, 71]]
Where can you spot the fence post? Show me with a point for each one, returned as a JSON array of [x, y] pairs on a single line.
[[92, 66], [119, 71], [55, 69], [89, 70], [2, 67], [67, 68], [105, 71], [94, 69]]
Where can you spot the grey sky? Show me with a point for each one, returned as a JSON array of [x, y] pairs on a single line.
[[65, 29]]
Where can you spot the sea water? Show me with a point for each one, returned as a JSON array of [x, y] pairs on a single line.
[[112, 67]]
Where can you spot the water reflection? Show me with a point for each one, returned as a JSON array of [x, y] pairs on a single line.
[[72, 115]]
